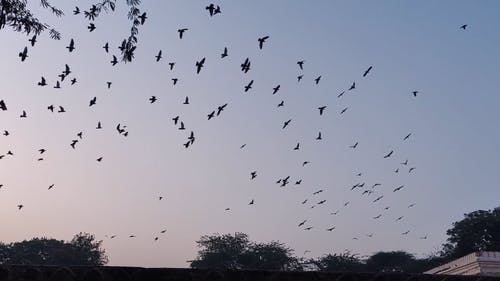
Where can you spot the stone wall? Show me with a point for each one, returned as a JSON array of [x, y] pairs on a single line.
[[108, 273]]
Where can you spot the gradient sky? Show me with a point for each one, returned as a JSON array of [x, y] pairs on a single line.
[[411, 46]]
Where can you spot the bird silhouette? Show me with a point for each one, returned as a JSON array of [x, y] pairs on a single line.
[[253, 175], [354, 145], [61, 109], [262, 40], [23, 115], [211, 9], [286, 123], [302, 223], [109, 84], [224, 53], [93, 101], [211, 115], [24, 54], [378, 198], [341, 94], [249, 86], [251, 202], [407, 136], [221, 108], [99, 125], [199, 65], [158, 56], [297, 146], [321, 109], [245, 66], [143, 18], [3, 106], [76, 11], [378, 216], [411, 169], [152, 99], [276, 89], [114, 61], [300, 78], [91, 27], [343, 111], [317, 80], [331, 228], [464, 26], [186, 100], [20, 206], [106, 47], [405, 162], [300, 63], [405, 233], [171, 65], [399, 218], [319, 136], [176, 120], [389, 154], [73, 81], [181, 32], [414, 93], [99, 159], [71, 46], [33, 40], [367, 71], [398, 188], [50, 187], [73, 143], [174, 80], [353, 86], [182, 127]]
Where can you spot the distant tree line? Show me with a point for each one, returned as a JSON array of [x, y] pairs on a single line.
[[478, 231], [83, 249]]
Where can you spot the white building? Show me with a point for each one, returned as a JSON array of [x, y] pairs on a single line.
[[478, 263]]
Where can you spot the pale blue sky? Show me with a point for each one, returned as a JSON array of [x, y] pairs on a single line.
[[411, 45]]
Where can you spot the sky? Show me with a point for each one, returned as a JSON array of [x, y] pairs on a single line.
[[412, 46]]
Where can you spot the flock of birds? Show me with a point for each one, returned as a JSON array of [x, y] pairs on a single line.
[[368, 190]]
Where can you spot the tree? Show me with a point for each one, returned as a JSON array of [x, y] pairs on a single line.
[[15, 13], [345, 262], [395, 261], [82, 250], [477, 231], [238, 252]]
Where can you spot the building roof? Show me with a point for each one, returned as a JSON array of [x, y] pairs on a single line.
[[478, 263]]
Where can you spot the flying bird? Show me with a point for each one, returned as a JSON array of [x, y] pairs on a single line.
[[76, 11], [300, 63], [464, 26], [317, 80], [285, 124], [199, 65], [71, 46], [367, 71], [353, 86], [143, 18], [91, 27], [106, 47], [389, 154], [158, 56], [407, 136], [262, 40], [181, 32], [321, 109], [415, 93], [276, 89], [93, 101], [224, 54], [114, 61], [32, 41], [24, 54], [3, 106], [249, 86]]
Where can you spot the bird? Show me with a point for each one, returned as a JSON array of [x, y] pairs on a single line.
[[464, 26], [378, 216], [61, 109], [182, 126], [160, 198], [24, 54], [6, 133], [253, 175], [99, 159], [80, 135], [407, 137], [367, 71], [331, 228], [317, 80], [99, 125], [411, 170], [243, 146], [305, 163], [354, 145], [73, 81], [423, 237], [300, 78], [210, 8], [23, 115], [300, 63], [106, 47], [389, 154], [303, 202], [152, 99], [175, 119], [73, 143], [217, 10], [321, 109], [109, 84], [262, 40], [341, 94], [415, 93], [251, 202], [114, 61], [174, 80], [245, 66], [396, 171], [297, 146], [76, 11], [249, 86], [308, 228], [221, 108], [399, 218], [353, 86], [186, 100], [298, 182], [199, 65], [93, 101], [318, 192], [405, 162], [211, 115], [3, 106], [143, 18], [405, 233], [58, 85], [276, 89], [319, 136], [158, 56], [91, 27], [71, 46], [378, 198], [411, 205], [321, 202], [181, 32], [302, 223], [224, 53], [343, 111], [51, 186], [286, 123], [20, 206], [171, 65], [33, 40], [398, 188]]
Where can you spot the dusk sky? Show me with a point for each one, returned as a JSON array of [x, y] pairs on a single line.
[[412, 46]]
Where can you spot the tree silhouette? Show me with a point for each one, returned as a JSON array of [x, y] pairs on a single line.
[[82, 250], [15, 13], [237, 252], [344, 262], [477, 231]]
